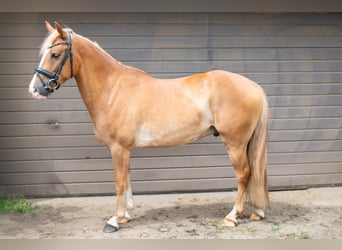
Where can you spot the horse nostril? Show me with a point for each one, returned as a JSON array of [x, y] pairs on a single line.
[[33, 90]]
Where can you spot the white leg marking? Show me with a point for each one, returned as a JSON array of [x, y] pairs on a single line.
[[129, 198], [113, 222], [260, 212], [127, 216], [232, 215]]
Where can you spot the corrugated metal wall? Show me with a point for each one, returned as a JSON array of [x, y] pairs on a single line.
[[48, 148]]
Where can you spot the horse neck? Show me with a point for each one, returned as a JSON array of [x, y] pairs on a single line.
[[97, 74]]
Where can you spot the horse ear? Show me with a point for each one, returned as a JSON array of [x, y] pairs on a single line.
[[60, 30], [49, 27]]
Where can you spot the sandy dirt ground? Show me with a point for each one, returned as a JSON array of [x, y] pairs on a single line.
[[305, 214]]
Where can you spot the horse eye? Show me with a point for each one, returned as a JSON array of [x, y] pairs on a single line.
[[55, 55]]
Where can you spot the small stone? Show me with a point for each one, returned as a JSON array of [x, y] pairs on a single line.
[[164, 229]]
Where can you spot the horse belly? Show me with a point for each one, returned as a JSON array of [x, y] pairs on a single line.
[[146, 138], [178, 115], [172, 133]]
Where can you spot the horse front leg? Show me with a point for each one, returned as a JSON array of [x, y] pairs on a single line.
[[124, 200]]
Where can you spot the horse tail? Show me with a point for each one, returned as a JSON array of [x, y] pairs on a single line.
[[257, 158]]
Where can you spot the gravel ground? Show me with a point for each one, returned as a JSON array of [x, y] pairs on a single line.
[[304, 214]]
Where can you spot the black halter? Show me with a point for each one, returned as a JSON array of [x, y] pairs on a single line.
[[53, 82]]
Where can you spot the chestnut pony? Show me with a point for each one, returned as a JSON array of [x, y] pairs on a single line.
[[131, 109]]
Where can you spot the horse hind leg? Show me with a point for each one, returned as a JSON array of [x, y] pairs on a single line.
[[239, 160]]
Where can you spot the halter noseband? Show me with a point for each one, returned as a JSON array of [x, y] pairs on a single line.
[[53, 82]]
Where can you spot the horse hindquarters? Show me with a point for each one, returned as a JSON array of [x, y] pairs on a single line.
[[249, 161]]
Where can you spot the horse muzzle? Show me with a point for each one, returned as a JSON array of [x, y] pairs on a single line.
[[37, 89], [36, 95]]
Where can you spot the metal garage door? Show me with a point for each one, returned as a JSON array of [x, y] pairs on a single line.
[[48, 148]]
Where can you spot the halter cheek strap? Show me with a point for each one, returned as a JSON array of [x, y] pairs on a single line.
[[53, 82]]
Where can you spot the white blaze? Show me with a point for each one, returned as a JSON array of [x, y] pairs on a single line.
[[32, 90]]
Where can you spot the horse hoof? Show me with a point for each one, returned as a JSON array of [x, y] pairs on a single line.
[[255, 216], [110, 229], [123, 221], [228, 223]]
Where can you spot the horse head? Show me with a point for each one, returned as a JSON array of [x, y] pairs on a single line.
[[54, 67]]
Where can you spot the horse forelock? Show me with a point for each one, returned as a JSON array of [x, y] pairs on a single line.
[[49, 40]]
